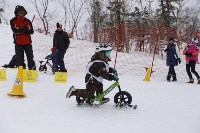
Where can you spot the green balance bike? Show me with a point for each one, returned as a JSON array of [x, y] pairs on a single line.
[[121, 99]]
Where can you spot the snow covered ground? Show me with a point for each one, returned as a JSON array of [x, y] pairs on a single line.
[[163, 107]]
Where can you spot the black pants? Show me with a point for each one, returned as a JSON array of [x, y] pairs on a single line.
[[171, 71], [61, 61], [19, 51], [91, 87], [190, 67]]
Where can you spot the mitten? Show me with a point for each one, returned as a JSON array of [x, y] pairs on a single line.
[[166, 50], [114, 71], [115, 78], [179, 60]]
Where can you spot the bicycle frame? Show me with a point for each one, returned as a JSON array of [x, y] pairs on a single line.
[[46, 63], [99, 97]]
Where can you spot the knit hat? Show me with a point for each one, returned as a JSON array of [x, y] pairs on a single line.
[[171, 39], [53, 49], [58, 25], [193, 39], [20, 8]]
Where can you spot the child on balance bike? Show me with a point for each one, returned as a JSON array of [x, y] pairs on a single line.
[[97, 70]]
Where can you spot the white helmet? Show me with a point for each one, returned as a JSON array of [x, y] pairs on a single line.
[[103, 47]]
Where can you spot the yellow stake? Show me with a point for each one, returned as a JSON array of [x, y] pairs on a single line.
[[148, 74]]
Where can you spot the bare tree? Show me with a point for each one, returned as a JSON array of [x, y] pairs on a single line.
[[75, 11], [42, 7], [64, 5], [2, 10]]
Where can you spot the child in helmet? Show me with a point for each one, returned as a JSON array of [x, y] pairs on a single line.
[[54, 57], [97, 70]]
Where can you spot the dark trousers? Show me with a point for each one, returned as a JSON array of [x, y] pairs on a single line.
[[171, 72], [19, 51], [61, 61], [190, 67], [91, 87]]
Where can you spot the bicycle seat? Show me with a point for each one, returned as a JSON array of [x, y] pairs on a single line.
[[41, 62]]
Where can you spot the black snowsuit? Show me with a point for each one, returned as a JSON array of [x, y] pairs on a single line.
[[97, 69]]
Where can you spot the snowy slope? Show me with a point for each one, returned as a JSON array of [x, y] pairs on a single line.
[[162, 107]]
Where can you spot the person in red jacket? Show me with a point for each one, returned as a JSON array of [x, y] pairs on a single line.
[[22, 29]]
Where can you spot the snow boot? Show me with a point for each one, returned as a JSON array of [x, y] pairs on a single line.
[[168, 78], [174, 78], [70, 92], [198, 81], [191, 81], [104, 100]]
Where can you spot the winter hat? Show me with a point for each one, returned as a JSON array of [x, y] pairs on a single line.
[[58, 25], [171, 39], [53, 49], [193, 39], [20, 8]]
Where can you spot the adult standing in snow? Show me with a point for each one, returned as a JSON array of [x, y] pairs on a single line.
[[22, 29], [61, 42], [191, 52], [172, 59]]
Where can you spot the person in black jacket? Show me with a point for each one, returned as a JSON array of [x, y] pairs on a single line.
[[61, 42], [12, 63], [22, 29]]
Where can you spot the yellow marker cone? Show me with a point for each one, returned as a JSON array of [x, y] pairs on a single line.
[[18, 85], [148, 74]]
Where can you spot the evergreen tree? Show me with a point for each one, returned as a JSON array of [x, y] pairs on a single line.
[[164, 13]]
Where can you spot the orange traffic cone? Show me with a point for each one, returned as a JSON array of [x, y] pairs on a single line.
[[18, 84]]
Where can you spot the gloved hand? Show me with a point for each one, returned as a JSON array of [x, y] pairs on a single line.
[[114, 71], [115, 77], [166, 50], [48, 57], [188, 54], [179, 60]]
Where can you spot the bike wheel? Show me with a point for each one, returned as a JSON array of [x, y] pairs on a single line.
[[123, 97], [80, 100], [42, 68]]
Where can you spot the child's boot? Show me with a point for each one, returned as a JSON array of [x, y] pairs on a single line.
[[191, 81], [71, 92]]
